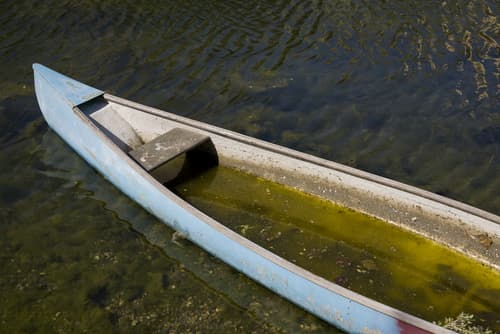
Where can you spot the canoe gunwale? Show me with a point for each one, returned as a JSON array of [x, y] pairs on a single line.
[[311, 159], [453, 224]]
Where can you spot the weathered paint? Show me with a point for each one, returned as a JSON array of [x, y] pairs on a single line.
[[451, 223], [166, 147], [343, 308], [74, 92]]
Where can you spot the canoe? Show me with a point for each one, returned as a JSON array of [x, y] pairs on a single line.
[[129, 143]]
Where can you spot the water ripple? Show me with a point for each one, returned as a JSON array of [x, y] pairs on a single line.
[[405, 89]]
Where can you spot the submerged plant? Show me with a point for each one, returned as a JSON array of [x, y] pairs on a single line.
[[464, 324]]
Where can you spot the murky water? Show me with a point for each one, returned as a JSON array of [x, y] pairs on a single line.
[[405, 89], [357, 251]]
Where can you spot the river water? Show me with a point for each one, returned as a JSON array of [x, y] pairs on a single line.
[[403, 89]]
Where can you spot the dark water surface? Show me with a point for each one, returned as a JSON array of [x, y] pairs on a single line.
[[404, 89]]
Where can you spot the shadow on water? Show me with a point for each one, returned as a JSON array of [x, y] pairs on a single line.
[[128, 268]]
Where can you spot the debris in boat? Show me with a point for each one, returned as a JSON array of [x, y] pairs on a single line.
[[484, 239], [342, 281], [244, 229], [361, 270], [464, 324], [269, 235], [369, 264]]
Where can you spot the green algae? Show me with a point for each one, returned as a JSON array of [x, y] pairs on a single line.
[[78, 256], [76, 271], [362, 253], [69, 265]]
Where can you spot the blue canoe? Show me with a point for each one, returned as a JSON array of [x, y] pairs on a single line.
[[128, 143]]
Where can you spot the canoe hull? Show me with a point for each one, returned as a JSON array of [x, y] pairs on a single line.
[[342, 308]]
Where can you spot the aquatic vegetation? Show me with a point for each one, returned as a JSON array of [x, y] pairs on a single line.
[[354, 250], [464, 324]]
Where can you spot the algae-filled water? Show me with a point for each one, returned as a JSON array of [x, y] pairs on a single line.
[[362, 253], [404, 89]]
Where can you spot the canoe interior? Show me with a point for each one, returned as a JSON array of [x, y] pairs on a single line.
[[468, 230]]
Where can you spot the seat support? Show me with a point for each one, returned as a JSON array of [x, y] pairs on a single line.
[[167, 147]]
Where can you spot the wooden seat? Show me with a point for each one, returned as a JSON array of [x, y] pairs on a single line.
[[167, 147]]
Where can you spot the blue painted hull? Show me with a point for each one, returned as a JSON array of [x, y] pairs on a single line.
[[58, 96]]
